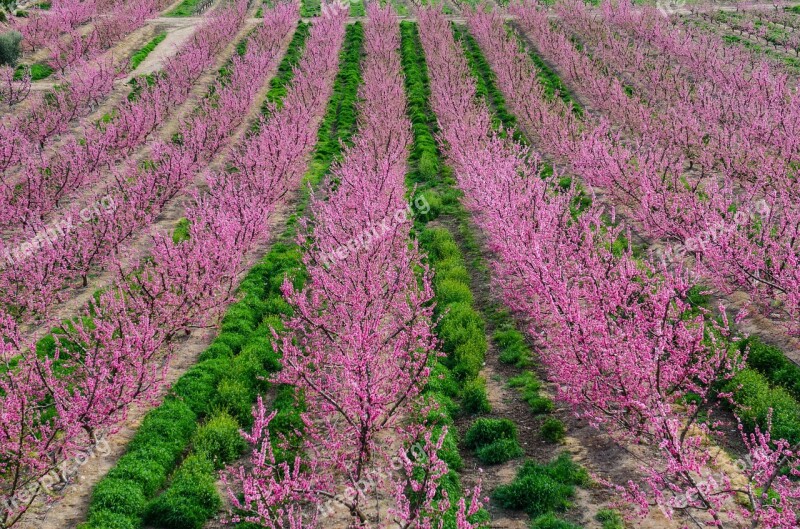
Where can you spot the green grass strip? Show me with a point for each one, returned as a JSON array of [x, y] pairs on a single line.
[[310, 8], [121, 498], [143, 52], [191, 500], [188, 8]]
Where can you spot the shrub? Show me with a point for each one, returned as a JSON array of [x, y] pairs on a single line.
[[530, 387], [236, 397], [169, 426], [233, 339], [118, 496], [428, 165], [773, 364], [473, 398], [500, 451], [541, 404], [197, 386], [216, 350], [610, 519], [9, 47], [145, 467], [40, 71], [463, 339], [756, 398], [452, 291], [536, 494], [513, 349], [449, 451], [440, 244], [190, 500], [219, 440], [553, 430], [541, 489], [434, 202], [550, 521], [104, 519], [486, 431]]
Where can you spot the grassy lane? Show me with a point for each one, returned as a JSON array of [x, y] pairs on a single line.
[[477, 332], [243, 349], [121, 498]]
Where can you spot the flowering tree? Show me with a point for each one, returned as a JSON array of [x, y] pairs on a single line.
[[360, 345], [628, 351]]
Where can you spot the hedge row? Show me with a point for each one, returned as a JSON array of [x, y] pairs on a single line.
[[461, 329], [189, 8], [310, 8], [141, 54], [167, 430], [188, 503], [486, 85], [548, 78]]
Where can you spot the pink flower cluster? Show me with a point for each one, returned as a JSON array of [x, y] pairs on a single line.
[[57, 403], [48, 176], [360, 344], [618, 333]]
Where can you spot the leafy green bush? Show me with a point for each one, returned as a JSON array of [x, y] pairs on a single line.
[[452, 291], [9, 47], [118, 496], [610, 519], [541, 489], [530, 386], [145, 467], [428, 165], [553, 430], [219, 440], [551, 521], [513, 349], [473, 398], [464, 340], [191, 499], [541, 404], [755, 398], [500, 451], [773, 364], [103, 519], [485, 431]]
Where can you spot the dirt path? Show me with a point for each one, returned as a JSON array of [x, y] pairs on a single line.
[[166, 49]]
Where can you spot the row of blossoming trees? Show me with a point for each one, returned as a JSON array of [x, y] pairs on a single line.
[[629, 352], [360, 345], [75, 36], [58, 400], [703, 156]]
